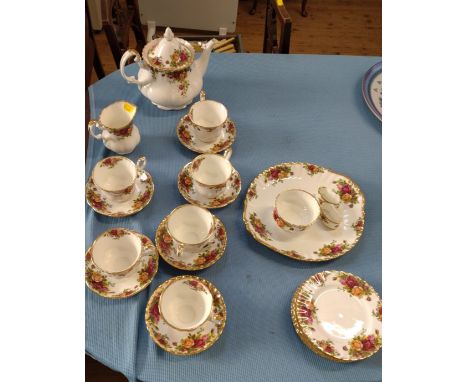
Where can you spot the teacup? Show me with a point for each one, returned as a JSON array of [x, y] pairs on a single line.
[[185, 304], [295, 210], [326, 195], [117, 176], [118, 132], [208, 118], [191, 227], [116, 251], [211, 172], [331, 215]]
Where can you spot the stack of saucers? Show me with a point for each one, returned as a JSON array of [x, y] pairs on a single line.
[[338, 316]]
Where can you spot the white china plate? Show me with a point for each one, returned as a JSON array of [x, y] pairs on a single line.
[[114, 286], [338, 314], [318, 243], [186, 135], [100, 202], [180, 342], [372, 89], [227, 196], [191, 261]]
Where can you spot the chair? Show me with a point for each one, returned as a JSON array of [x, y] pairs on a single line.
[[304, 12], [118, 17], [92, 61], [270, 41]]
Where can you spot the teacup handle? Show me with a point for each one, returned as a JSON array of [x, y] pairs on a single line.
[[94, 123], [202, 95], [227, 153], [179, 249]]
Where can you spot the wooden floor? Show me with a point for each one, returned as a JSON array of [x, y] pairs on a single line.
[[351, 27]]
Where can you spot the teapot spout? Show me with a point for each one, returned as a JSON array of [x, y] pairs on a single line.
[[202, 62]]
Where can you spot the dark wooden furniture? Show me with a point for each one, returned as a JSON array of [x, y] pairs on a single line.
[[118, 17], [270, 39], [237, 42], [92, 61], [304, 12]]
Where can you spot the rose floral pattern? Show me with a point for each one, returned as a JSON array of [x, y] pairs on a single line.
[[110, 162], [294, 255], [180, 79], [377, 313], [195, 285], [364, 345], [142, 199], [185, 181], [259, 227], [182, 342], [358, 226], [133, 282], [121, 133], [307, 311], [333, 249], [178, 59], [354, 285], [327, 347], [313, 169], [97, 201], [184, 134], [252, 192], [277, 173], [346, 192]]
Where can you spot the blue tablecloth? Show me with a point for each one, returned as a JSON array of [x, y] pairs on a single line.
[[286, 108]]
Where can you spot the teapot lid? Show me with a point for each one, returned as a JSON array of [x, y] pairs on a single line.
[[169, 53]]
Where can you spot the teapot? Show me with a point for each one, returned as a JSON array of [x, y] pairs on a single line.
[[169, 76]]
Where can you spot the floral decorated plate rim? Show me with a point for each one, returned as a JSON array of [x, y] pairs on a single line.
[[217, 296], [179, 264], [213, 148], [365, 87], [319, 279], [227, 200], [143, 196], [138, 270], [358, 226]]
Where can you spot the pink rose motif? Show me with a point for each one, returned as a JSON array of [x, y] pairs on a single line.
[[154, 311], [183, 57], [274, 173], [199, 343], [367, 345], [351, 282], [346, 189], [150, 269], [336, 249]]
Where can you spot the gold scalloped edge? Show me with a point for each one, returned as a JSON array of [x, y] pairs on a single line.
[[188, 268], [191, 148], [214, 291], [284, 253], [156, 257], [297, 326], [191, 201], [120, 215]]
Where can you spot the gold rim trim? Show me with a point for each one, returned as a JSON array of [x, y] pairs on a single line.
[[283, 252], [122, 214], [211, 151], [292, 224], [154, 43], [121, 191], [138, 290], [210, 186], [194, 267], [193, 201], [299, 330], [110, 129], [214, 291]]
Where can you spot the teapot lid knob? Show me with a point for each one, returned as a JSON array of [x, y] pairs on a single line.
[[168, 34]]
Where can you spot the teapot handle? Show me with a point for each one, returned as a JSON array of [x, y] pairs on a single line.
[[129, 54], [92, 123]]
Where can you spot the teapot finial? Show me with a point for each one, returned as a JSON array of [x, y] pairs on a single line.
[[168, 34]]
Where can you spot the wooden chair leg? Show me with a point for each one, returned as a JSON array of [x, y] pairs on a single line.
[[304, 10], [98, 66], [254, 7]]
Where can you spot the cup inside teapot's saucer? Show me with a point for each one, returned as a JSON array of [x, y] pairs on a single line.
[[227, 195], [188, 260], [185, 133]]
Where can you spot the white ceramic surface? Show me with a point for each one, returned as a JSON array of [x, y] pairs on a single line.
[[340, 314], [208, 118], [118, 132], [318, 243], [185, 305], [211, 172], [117, 254], [331, 215], [297, 208], [327, 195], [168, 76]]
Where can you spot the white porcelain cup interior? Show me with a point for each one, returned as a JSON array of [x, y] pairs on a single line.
[[208, 113], [190, 224], [117, 115], [116, 255], [297, 207], [116, 177], [184, 306], [213, 170]]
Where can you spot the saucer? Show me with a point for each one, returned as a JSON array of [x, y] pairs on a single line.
[[338, 315], [180, 342], [318, 243], [113, 286], [188, 139], [371, 88], [211, 253], [229, 194], [100, 202]]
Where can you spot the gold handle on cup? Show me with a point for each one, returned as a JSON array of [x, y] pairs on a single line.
[[140, 165], [227, 153], [202, 95], [91, 124]]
